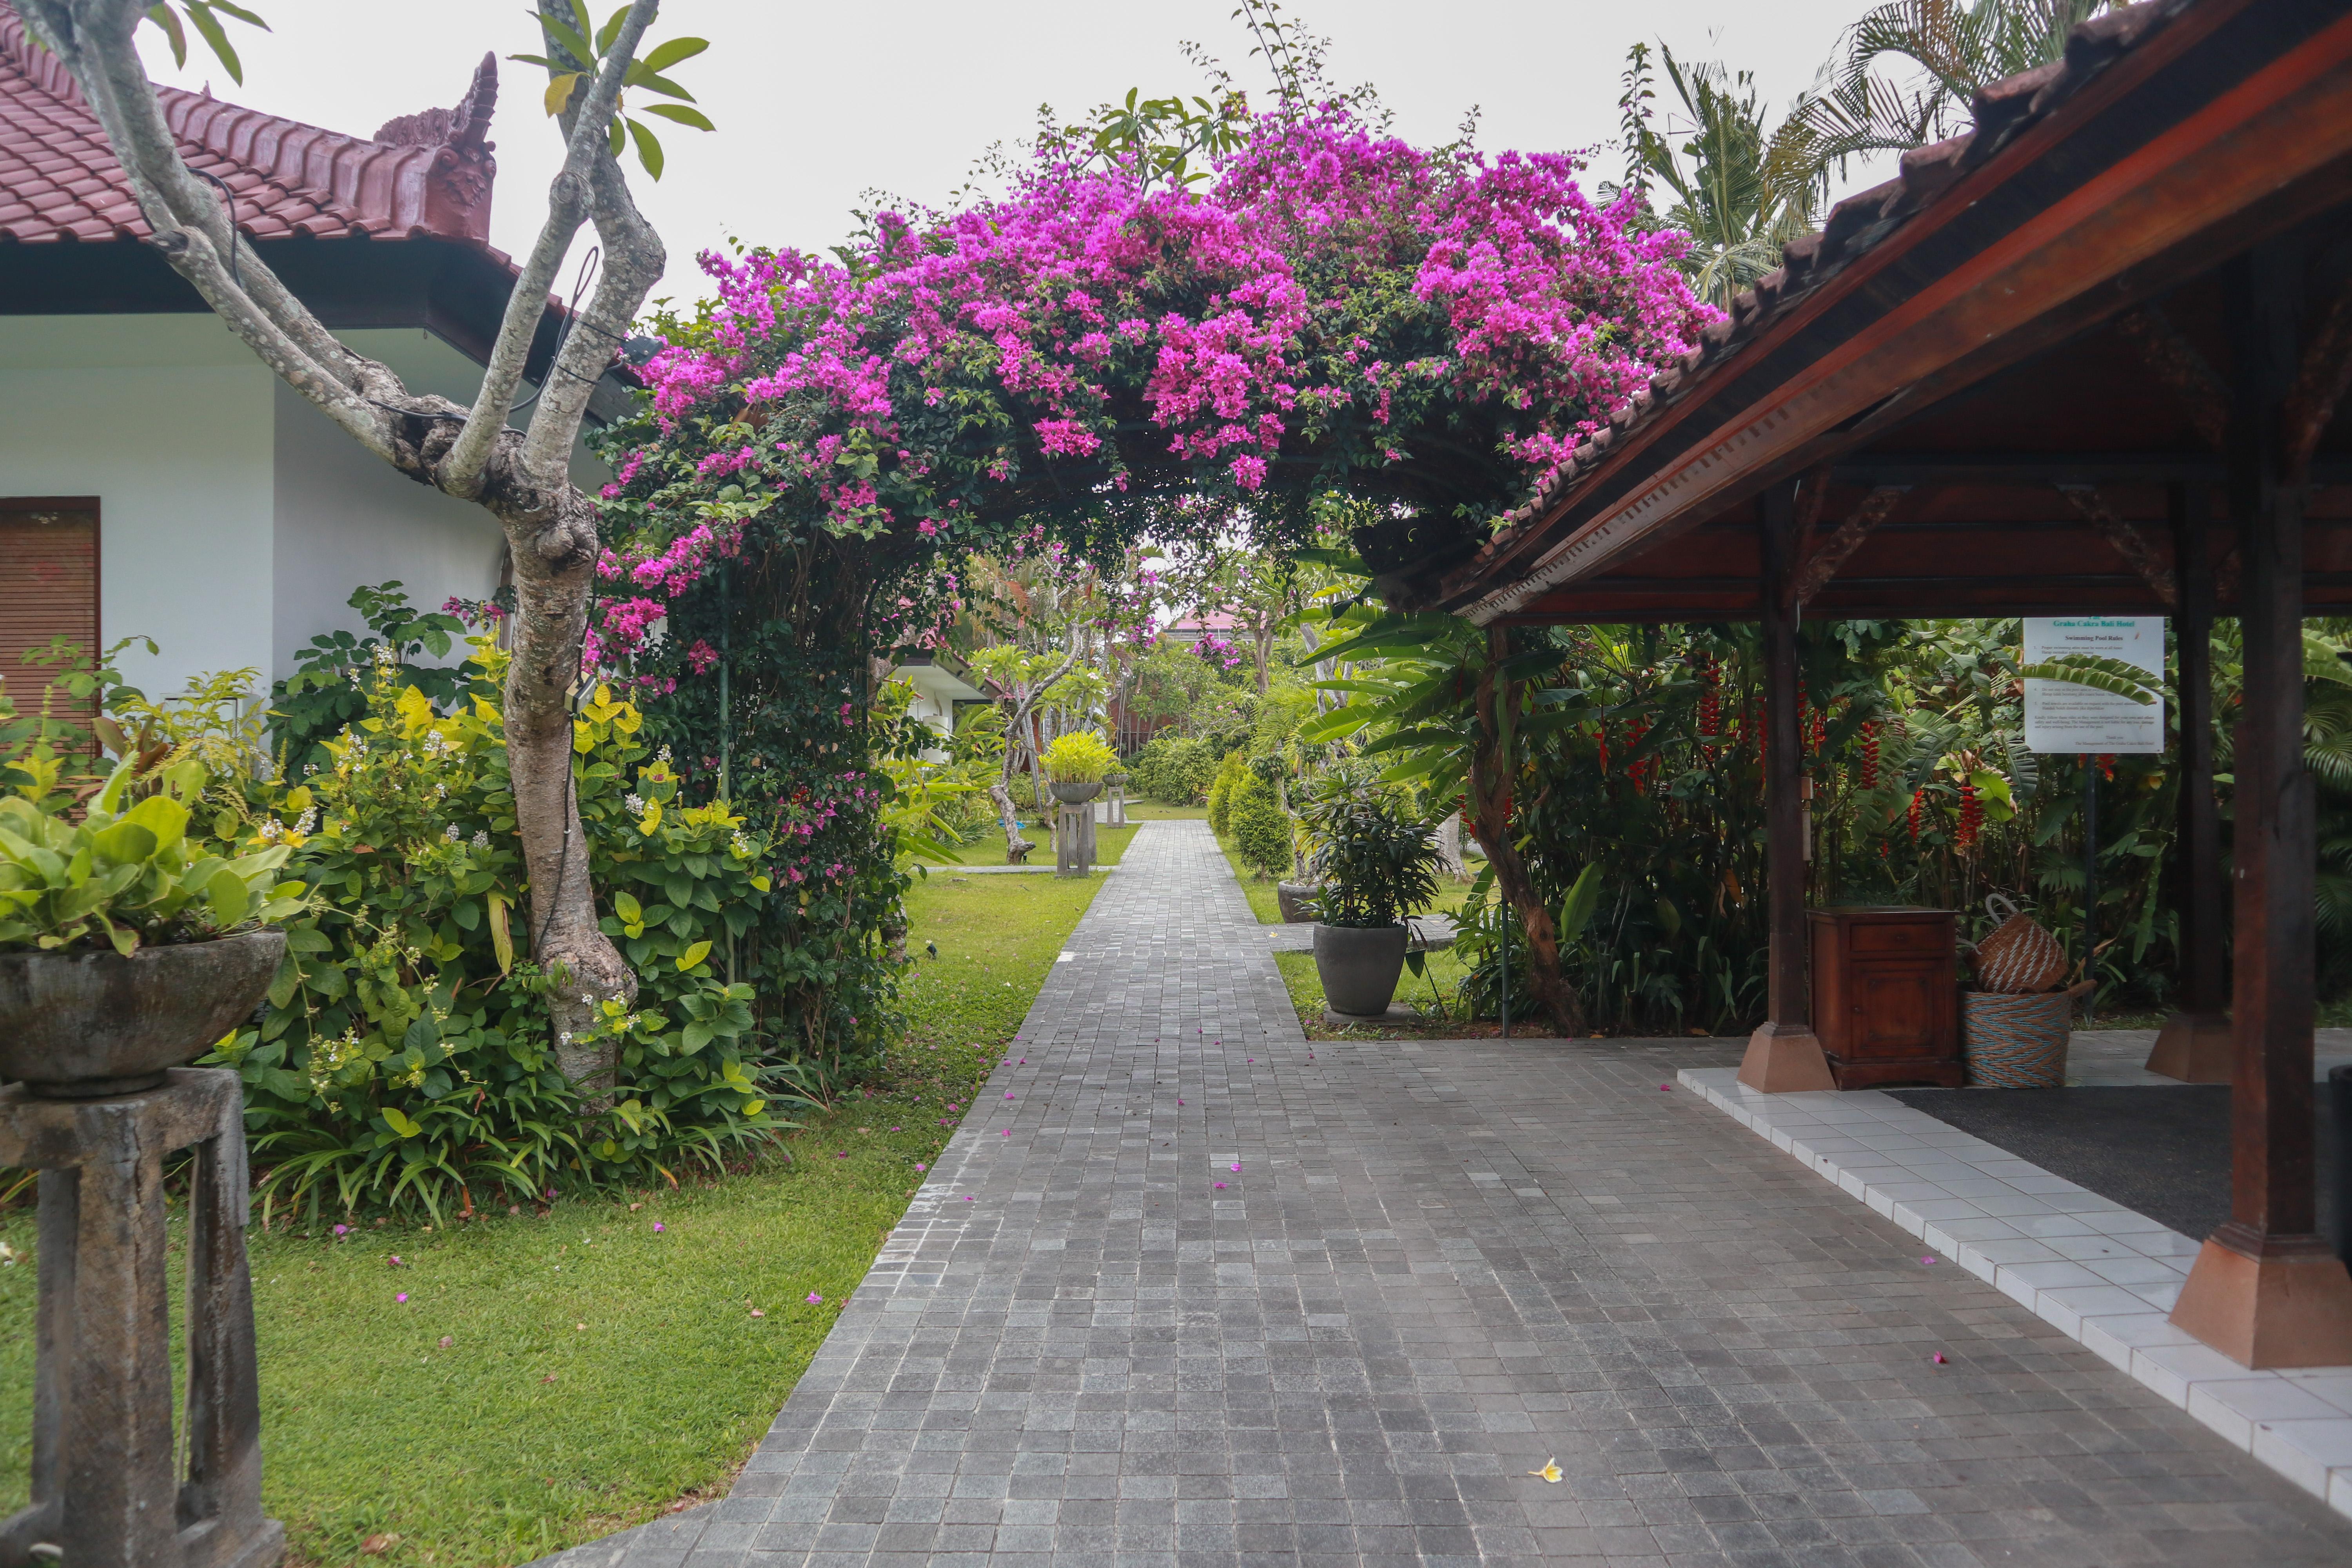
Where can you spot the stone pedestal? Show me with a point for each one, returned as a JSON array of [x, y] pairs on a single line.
[[1114, 810], [1785, 1059], [1074, 840], [106, 1492]]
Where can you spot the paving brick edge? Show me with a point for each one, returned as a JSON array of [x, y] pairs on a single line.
[[2298, 1423]]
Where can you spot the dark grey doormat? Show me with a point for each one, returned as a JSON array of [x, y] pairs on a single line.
[[2164, 1152]]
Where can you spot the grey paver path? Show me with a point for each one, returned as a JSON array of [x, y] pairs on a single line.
[[1440, 1265]]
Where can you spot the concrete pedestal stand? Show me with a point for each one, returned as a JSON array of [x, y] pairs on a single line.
[[1115, 808], [1074, 829], [105, 1490]]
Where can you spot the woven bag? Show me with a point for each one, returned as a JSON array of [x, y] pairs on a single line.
[[2019, 956], [2015, 1042]]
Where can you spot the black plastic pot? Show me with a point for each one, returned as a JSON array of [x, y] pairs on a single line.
[[77, 1026], [1359, 966]]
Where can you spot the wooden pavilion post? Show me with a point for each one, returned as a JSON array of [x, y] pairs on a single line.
[[2195, 1045], [1784, 1055], [2266, 1290]]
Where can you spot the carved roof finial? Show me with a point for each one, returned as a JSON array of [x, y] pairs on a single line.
[[465, 127]]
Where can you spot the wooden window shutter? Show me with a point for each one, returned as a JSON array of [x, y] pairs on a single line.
[[48, 589]]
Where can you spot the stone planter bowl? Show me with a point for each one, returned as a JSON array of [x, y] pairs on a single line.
[[77, 1026], [1075, 793], [1119, 779], [1359, 966], [1296, 901]]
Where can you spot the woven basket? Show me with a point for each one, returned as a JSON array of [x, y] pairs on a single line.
[[2015, 1042], [2019, 956]]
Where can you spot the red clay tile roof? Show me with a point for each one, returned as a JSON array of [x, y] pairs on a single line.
[[58, 179]]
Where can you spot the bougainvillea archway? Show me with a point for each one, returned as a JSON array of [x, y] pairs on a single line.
[[1099, 356]]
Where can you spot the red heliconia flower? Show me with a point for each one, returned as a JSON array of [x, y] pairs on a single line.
[[1869, 754], [1710, 700], [1972, 817], [1918, 803]]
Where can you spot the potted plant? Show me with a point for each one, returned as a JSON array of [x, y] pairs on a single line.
[[126, 947], [1076, 767], [1376, 862]]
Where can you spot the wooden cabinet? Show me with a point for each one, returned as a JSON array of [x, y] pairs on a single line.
[[1886, 995]]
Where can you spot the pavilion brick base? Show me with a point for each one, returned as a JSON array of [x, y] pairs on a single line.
[[2290, 1308], [1785, 1059], [2194, 1049]]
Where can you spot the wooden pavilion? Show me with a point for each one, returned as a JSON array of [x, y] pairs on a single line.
[[2087, 358]]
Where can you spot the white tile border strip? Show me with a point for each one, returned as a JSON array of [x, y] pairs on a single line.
[[2101, 1274]]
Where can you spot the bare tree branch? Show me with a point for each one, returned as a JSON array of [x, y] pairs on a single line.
[[571, 197]]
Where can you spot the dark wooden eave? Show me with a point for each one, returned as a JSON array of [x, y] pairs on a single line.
[[1966, 333]]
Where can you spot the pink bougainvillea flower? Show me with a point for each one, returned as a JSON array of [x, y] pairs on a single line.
[[395, 1261], [1219, 1185], [403, 1297], [342, 1230], [1939, 1358], [1008, 1132], [757, 1313], [658, 1227], [1237, 1164], [813, 1298], [922, 1167], [1927, 1260], [967, 1197], [1669, 1088]]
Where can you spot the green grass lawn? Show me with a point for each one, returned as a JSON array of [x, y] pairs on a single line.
[[595, 1370], [1153, 810]]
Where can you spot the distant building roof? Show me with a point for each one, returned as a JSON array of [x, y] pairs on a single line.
[[423, 175]]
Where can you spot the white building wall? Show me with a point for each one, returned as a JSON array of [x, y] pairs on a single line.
[[234, 519], [168, 422]]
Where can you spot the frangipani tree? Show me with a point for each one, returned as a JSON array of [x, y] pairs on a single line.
[[521, 475]]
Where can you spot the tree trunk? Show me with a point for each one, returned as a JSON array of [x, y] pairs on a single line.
[[1000, 796], [1491, 777], [551, 616]]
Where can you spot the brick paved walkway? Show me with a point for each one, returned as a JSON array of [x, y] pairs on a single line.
[[1439, 1265]]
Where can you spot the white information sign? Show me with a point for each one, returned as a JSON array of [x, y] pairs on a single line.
[[2063, 717]]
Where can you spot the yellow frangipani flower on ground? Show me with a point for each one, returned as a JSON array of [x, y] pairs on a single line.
[[1550, 1472]]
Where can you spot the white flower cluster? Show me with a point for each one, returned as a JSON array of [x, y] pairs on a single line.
[[272, 831], [741, 846], [636, 803], [481, 838], [450, 833], [662, 755], [307, 821]]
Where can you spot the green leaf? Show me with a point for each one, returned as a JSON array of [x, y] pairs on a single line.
[[2097, 671], [162, 816], [201, 17], [421, 1035], [697, 1035], [166, 18], [638, 75], [1331, 726], [400, 1122], [682, 114], [1576, 910], [649, 150], [661, 56], [612, 28], [124, 842], [229, 896], [627, 909], [693, 955], [565, 37]]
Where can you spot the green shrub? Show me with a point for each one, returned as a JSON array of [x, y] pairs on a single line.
[[1232, 774], [326, 694], [404, 1059], [1174, 770], [1260, 828]]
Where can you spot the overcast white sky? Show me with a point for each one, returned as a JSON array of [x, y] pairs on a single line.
[[817, 104]]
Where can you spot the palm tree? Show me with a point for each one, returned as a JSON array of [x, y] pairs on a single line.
[[1727, 195], [1954, 49]]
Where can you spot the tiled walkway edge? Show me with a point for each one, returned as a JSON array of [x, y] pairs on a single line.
[[2100, 1273]]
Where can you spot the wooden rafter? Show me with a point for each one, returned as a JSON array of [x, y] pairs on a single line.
[[2321, 380], [1823, 563], [2177, 363], [2138, 550]]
